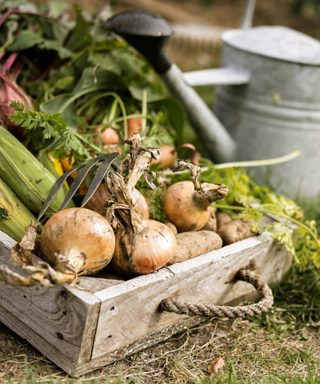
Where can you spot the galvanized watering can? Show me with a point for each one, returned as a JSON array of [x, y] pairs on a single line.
[[267, 101]]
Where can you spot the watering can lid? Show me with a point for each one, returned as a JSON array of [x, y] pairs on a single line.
[[277, 42]]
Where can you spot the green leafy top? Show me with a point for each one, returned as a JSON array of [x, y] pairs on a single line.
[[51, 130]]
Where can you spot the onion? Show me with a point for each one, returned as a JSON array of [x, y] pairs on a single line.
[[142, 246], [168, 157], [9, 91], [109, 135], [98, 201], [147, 248], [77, 241], [186, 203]]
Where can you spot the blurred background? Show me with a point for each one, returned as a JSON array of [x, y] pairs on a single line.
[[199, 23]]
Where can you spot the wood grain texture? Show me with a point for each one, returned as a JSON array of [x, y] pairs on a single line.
[[64, 316], [139, 345], [37, 341], [206, 280]]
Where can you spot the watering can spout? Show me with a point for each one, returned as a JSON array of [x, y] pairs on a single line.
[[149, 34]]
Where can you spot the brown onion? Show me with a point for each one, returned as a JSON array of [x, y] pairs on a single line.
[[187, 208], [142, 246], [102, 195], [148, 248], [168, 157], [77, 241]]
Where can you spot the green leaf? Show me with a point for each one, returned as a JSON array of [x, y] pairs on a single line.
[[101, 79], [136, 92], [55, 45], [24, 40], [60, 104], [80, 37], [57, 8], [176, 116]]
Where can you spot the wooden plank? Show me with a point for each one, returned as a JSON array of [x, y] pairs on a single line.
[[41, 344], [206, 279], [63, 315], [139, 345]]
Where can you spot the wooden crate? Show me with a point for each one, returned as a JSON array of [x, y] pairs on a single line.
[[82, 330]]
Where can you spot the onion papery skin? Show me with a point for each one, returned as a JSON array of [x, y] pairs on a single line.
[[102, 195], [144, 252], [183, 208], [77, 241], [168, 157]]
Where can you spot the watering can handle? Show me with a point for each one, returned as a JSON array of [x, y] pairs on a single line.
[[217, 141], [217, 76]]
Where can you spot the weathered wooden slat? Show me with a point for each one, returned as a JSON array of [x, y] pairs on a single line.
[[145, 342], [129, 311], [37, 341], [64, 316]]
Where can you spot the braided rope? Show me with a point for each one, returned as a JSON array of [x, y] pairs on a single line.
[[220, 311]]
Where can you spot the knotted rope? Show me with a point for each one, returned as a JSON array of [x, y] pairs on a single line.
[[220, 311]]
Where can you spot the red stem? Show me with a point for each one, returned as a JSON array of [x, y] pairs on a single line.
[[8, 64], [15, 88]]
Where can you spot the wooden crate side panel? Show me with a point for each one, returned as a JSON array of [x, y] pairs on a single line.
[[37, 341], [139, 345], [129, 311], [62, 315]]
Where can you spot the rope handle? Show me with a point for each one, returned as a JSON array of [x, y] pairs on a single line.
[[223, 311]]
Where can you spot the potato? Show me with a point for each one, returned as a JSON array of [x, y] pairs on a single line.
[[172, 227], [211, 224], [235, 230], [194, 244], [222, 218]]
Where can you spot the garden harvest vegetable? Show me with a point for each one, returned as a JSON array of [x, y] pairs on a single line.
[[134, 124], [14, 215], [74, 242], [142, 246], [235, 230], [98, 201], [77, 241], [222, 218], [186, 203], [168, 157], [211, 224], [109, 136], [194, 244], [9, 90], [25, 175]]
